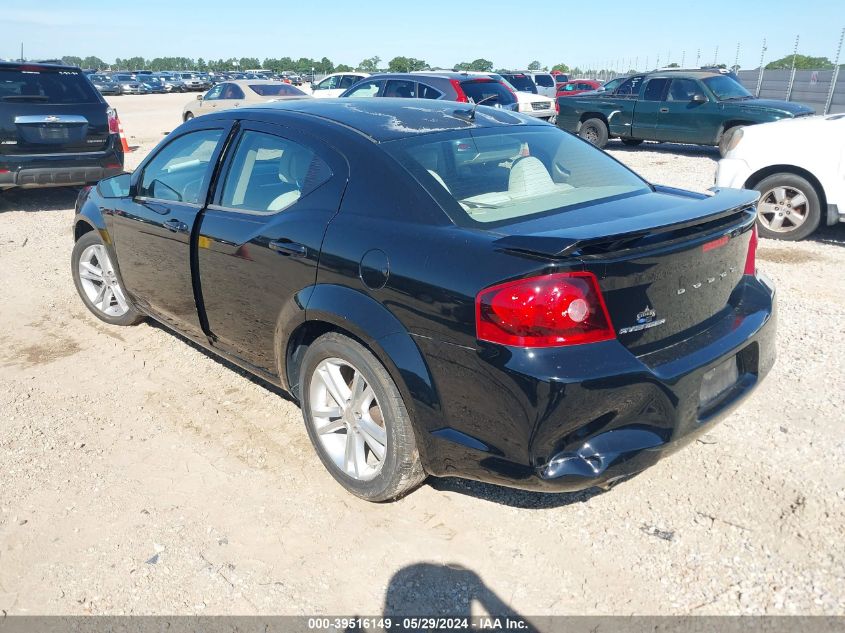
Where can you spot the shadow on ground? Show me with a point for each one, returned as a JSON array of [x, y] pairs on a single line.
[[47, 199]]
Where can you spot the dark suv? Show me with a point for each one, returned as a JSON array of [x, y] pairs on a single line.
[[448, 86], [55, 128]]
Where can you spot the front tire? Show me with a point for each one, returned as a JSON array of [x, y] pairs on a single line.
[[98, 282], [357, 420], [594, 131], [789, 207]]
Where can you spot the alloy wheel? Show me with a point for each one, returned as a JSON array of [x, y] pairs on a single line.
[[100, 283], [347, 419], [783, 209]]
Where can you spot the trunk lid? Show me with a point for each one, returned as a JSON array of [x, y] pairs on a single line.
[[46, 110], [667, 262]]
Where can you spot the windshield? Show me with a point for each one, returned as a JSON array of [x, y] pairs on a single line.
[[493, 176], [522, 83], [724, 87], [46, 86]]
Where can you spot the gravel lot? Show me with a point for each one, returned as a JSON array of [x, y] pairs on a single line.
[[140, 475]]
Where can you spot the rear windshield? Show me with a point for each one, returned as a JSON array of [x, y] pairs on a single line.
[[276, 90], [521, 82], [46, 86], [492, 177], [493, 91]]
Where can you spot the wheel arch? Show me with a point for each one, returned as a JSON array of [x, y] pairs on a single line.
[[593, 115], [333, 308], [770, 170]]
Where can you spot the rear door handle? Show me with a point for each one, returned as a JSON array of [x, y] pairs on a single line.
[[176, 226], [291, 249], [664, 110]]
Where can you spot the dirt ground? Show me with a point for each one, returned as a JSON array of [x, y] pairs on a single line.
[[139, 475]]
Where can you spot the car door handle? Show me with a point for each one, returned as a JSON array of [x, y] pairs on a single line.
[[176, 226], [664, 110], [291, 249]]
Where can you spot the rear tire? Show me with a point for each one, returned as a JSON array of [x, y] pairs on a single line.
[[632, 142], [367, 441], [789, 207], [595, 132]]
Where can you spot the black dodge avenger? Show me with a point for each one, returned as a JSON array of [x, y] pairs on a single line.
[[445, 288]]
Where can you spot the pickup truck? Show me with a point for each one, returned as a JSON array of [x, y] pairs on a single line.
[[701, 108]]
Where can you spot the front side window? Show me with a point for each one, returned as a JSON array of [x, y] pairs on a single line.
[[329, 83], [683, 90], [630, 86], [366, 89], [178, 171], [492, 177], [215, 92], [269, 173]]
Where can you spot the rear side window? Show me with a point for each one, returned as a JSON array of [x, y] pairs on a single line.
[[46, 86], [491, 92], [270, 173], [179, 170], [547, 81], [427, 92], [347, 81], [654, 90]]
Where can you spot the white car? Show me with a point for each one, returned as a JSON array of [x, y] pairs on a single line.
[[536, 105], [546, 84], [335, 84], [797, 165]]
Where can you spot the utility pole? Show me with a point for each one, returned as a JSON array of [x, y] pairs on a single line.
[[792, 75], [22, 52], [736, 59], [835, 74], [716, 56], [760, 76], [683, 57], [697, 57]]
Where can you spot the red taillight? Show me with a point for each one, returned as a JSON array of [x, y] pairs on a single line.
[[751, 258], [557, 106], [718, 243], [462, 96], [548, 311], [114, 124]]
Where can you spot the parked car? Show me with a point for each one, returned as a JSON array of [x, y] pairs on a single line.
[[449, 86], [193, 81], [236, 94], [701, 107], [130, 86], [55, 128], [798, 166], [577, 87], [105, 84], [335, 84], [153, 84], [530, 103], [545, 82], [171, 83], [560, 78], [446, 290]]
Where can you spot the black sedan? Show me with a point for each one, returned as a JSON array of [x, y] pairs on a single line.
[[446, 289]]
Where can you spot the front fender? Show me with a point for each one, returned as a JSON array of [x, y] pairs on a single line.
[[368, 320]]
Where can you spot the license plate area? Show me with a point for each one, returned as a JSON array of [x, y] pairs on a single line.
[[717, 381]]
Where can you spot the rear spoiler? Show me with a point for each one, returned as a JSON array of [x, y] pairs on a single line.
[[701, 216]]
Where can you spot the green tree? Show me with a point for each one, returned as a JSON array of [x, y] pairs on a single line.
[[406, 64], [535, 65], [369, 65], [93, 62], [72, 60], [561, 68], [343, 68], [250, 63], [478, 65], [325, 66], [672, 65], [201, 65], [802, 62]]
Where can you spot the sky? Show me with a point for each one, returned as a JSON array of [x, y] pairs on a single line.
[[610, 34]]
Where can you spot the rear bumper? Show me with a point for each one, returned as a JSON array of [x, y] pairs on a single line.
[[567, 419], [59, 170]]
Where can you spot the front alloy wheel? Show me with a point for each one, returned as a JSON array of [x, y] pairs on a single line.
[[789, 207]]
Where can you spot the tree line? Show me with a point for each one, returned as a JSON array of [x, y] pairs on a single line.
[[324, 66]]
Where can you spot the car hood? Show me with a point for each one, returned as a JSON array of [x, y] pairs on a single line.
[[772, 105]]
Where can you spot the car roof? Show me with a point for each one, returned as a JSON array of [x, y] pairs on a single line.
[[690, 74], [253, 82], [388, 119], [36, 66]]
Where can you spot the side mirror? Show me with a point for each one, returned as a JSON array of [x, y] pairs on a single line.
[[115, 187], [199, 97], [699, 98]]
